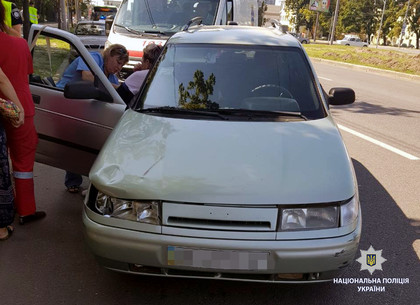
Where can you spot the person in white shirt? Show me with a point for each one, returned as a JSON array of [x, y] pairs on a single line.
[[133, 83]]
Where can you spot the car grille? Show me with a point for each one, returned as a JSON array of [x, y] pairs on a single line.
[[218, 217]]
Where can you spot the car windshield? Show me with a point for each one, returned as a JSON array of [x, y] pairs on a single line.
[[224, 77], [162, 16], [95, 29]]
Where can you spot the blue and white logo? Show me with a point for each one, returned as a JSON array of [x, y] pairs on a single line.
[[371, 260]]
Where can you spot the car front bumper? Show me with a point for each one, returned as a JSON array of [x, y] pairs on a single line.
[[132, 251]]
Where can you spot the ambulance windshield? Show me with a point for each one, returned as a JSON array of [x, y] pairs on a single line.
[[163, 16]]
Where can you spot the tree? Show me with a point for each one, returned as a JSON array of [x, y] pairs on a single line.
[[47, 9], [370, 19], [261, 10], [325, 19], [413, 19], [359, 16], [391, 17], [296, 12], [300, 15]]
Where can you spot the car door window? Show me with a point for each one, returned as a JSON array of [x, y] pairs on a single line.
[[51, 56]]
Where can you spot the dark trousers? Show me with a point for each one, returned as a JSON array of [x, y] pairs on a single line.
[[72, 179]]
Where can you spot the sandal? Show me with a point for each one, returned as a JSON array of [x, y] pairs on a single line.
[[73, 189], [10, 230]]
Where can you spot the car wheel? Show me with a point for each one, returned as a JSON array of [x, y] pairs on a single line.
[[304, 42]]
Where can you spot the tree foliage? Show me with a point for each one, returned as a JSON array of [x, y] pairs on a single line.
[[413, 19], [296, 9], [261, 10], [48, 10], [393, 12], [196, 96], [358, 17]]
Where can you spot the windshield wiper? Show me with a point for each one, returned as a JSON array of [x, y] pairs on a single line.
[[259, 113], [157, 32], [129, 29], [172, 110], [149, 12]]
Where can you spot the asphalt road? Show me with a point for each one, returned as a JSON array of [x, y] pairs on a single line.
[[48, 263]]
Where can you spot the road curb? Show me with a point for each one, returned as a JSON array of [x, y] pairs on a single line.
[[369, 69]]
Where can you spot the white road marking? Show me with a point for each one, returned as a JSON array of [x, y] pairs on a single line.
[[379, 143], [325, 78]]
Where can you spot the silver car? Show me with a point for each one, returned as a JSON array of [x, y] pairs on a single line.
[[227, 164], [299, 37], [351, 40], [92, 34]]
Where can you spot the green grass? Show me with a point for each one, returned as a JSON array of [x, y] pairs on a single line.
[[377, 58], [59, 52]]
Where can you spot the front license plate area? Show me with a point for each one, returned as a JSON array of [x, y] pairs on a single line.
[[217, 259]]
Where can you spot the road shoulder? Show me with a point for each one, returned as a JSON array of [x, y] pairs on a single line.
[[369, 69]]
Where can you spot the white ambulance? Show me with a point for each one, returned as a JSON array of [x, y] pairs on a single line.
[[141, 22]]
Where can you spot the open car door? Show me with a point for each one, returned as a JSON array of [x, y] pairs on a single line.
[[71, 130]]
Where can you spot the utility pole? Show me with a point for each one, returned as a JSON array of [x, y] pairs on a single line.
[[335, 22], [316, 25], [380, 27], [77, 9], [63, 15], [404, 25]]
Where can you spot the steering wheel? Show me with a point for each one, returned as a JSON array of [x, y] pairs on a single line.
[[271, 90]]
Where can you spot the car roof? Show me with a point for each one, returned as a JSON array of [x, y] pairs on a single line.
[[234, 34]]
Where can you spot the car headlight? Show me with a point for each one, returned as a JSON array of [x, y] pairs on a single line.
[[312, 218], [349, 211], [140, 211], [309, 218]]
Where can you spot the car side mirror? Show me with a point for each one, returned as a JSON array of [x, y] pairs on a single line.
[[341, 96], [85, 90]]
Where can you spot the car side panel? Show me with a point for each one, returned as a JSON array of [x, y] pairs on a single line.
[[71, 132]]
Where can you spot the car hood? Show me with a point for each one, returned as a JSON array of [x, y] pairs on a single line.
[[151, 157]]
